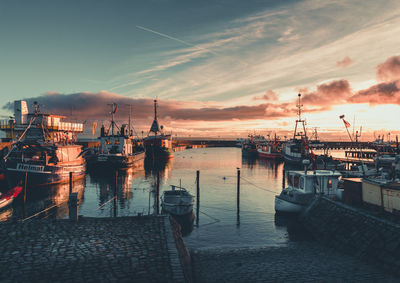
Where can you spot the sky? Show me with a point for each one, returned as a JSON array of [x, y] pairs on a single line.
[[218, 68]]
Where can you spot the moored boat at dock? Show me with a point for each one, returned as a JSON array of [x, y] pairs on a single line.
[[177, 201], [297, 149], [118, 149], [158, 145], [45, 151], [270, 150], [304, 186]]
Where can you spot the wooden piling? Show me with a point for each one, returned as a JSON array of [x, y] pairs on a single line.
[[238, 197], [70, 183], [197, 196], [158, 193], [115, 193], [25, 184], [283, 179]]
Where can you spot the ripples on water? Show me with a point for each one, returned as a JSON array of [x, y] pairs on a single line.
[[218, 223]]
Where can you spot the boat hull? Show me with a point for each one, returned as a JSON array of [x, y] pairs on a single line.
[[158, 152], [285, 206], [272, 155], [104, 161], [177, 209], [40, 175]]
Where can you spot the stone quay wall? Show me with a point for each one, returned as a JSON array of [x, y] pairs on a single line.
[[355, 232]]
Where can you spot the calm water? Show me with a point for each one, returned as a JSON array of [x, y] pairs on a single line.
[[218, 224]]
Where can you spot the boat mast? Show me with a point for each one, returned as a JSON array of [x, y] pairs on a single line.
[[299, 120], [130, 110], [114, 109]]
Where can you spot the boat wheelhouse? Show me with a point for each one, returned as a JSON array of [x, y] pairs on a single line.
[[303, 186]]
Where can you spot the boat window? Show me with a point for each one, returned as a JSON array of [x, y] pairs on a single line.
[[296, 181], [108, 142], [301, 186], [329, 183], [116, 142]]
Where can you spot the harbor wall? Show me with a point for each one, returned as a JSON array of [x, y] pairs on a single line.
[[355, 232]]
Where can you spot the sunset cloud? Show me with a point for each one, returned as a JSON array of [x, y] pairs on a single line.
[[87, 105], [345, 62], [269, 95], [389, 70], [327, 94], [382, 93]]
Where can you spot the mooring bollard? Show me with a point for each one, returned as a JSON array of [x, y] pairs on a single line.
[[73, 207]]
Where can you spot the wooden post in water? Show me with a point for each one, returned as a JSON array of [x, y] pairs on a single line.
[[70, 183], [238, 198], [25, 183], [283, 179], [158, 193], [115, 193], [197, 196]]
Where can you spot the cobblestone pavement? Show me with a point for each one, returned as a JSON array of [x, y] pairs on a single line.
[[298, 262], [134, 249]]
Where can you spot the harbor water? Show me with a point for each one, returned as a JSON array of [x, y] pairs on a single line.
[[218, 224]]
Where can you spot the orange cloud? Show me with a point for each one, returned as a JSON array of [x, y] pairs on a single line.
[[389, 70], [382, 93], [95, 106], [269, 95], [328, 94], [345, 62]]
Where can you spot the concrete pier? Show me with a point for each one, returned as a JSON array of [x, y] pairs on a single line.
[[123, 249]]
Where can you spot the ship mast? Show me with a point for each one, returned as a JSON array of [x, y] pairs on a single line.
[[299, 120], [154, 127]]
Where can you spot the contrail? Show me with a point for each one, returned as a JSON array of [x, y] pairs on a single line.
[[176, 39]]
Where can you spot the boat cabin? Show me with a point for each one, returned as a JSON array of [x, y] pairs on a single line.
[[318, 181], [120, 143]]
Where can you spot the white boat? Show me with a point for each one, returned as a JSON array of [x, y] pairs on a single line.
[[177, 201], [303, 186]]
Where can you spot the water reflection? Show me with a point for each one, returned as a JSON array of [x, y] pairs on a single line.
[[47, 202], [137, 191]]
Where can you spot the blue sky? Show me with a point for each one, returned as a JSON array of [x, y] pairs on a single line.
[[214, 54]]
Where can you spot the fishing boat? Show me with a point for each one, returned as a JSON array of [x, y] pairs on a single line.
[[270, 150], [297, 149], [158, 145], [8, 197], [118, 149], [250, 145], [44, 150], [177, 201], [303, 186]]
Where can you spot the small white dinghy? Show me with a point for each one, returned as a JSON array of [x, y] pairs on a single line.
[[177, 201]]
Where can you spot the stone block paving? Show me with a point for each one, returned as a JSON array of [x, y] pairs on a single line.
[[298, 262], [125, 249]]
